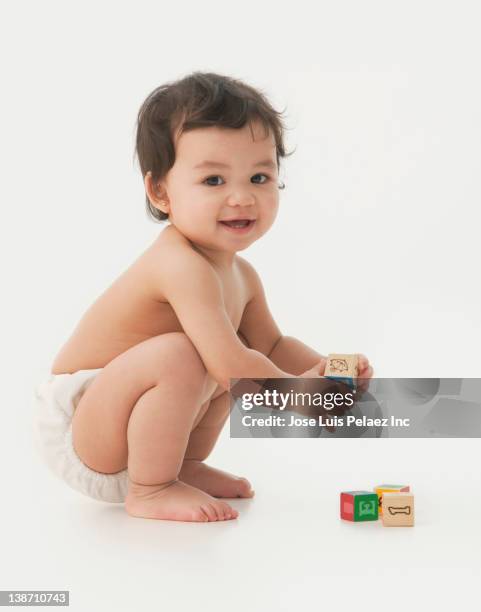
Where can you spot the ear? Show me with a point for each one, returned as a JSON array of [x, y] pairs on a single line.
[[156, 194]]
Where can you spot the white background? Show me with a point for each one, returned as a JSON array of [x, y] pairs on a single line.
[[375, 250]]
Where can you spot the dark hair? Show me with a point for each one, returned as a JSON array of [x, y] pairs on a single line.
[[201, 99]]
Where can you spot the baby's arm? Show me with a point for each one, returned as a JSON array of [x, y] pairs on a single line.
[[262, 333], [294, 356], [194, 291]]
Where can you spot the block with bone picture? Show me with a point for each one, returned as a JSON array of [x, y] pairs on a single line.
[[397, 509]]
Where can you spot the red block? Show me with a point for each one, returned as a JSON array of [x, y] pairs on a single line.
[[347, 506]]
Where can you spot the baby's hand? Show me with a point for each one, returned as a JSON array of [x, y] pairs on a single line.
[[364, 375], [316, 371], [365, 372]]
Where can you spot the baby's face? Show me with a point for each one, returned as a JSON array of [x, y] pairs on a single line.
[[200, 196]]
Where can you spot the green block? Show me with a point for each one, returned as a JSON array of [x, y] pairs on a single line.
[[366, 506]]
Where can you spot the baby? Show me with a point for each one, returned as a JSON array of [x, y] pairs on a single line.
[[144, 378]]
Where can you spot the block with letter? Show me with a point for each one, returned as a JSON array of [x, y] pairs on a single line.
[[389, 488], [344, 368], [398, 509], [359, 506]]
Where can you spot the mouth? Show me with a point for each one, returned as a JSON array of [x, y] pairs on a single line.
[[238, 225]]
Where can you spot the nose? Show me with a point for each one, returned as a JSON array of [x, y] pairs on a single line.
[[241, 197]]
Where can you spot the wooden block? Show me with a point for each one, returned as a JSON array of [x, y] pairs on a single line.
[[359, 506], [398, 509], [343, 368], [389, 488]]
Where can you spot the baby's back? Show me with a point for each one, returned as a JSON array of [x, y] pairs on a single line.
[[127, 313], [134, 309]]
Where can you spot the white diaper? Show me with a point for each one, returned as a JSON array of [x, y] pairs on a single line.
[[56, 400]]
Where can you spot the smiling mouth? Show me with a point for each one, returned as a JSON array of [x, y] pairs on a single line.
[[239, 223]]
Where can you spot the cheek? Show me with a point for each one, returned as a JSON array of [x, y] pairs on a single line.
[[188, 203], [196, 216], [272, 205], [269, 213]]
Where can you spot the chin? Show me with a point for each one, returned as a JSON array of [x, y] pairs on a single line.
[[243, 248]]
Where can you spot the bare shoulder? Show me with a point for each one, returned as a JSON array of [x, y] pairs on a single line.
[[173, 259], [177, 253]]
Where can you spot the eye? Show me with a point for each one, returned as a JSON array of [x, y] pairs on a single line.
[[209, 178], [266, 177], [217, 176]]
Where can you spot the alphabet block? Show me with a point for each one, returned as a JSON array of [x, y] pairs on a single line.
[[343, 368], [359, 506], [389, 488], [398, 509]]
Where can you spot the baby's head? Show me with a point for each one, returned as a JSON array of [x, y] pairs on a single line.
[[207, 117]]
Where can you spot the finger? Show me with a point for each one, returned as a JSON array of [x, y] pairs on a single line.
[[367, 373], [363, 361], [321, 367]]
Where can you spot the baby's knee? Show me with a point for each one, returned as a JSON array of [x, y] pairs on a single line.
[[182, 356], [174, 357]]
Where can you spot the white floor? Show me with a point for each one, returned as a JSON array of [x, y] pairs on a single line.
[[288, 548], [381, 103]]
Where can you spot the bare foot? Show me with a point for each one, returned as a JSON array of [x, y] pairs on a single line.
[[214, 482], [175, 502]]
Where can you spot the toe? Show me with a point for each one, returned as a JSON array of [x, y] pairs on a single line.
[[227, 511], [244, 488], [233, 514], [209, 512], [219, 515], [219, 511], [199, 516]]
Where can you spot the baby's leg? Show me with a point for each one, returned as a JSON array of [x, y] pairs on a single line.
[[194, 471], [140, 411]]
